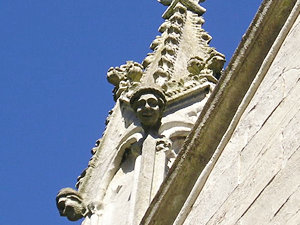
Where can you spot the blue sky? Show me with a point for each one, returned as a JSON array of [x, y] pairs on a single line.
[[53, 91]]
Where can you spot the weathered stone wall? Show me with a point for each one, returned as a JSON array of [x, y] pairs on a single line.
[[257, 178]]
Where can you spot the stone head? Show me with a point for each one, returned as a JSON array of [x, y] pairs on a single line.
[[148, 105], [69, 204]]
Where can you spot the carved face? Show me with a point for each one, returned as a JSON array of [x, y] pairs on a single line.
[[70, 206], [148, 109]]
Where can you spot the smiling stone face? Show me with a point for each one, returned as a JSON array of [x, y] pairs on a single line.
[[148, 104], [147, 109]]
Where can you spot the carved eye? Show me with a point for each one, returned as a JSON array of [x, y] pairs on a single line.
[[140, 103], [152, 102], [61, 205]]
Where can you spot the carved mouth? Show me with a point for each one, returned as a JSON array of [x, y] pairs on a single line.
[[147, 114]]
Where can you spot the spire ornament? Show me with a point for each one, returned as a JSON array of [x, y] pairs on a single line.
[[172, 64], [191, 5], [157, 104]]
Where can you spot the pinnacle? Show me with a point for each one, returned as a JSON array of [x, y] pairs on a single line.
[[192, 5], [168, 2]]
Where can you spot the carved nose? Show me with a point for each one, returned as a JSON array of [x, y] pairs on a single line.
[[61, 207], [147, 106]]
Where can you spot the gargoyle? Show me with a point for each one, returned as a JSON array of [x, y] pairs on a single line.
[[70, 204]]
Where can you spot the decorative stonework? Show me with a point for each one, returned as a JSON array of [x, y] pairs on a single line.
[[191, 5], [157, 104], [70, 204], [148, 105], [125, 76], [173, 31], [181, 59], [165, 145]]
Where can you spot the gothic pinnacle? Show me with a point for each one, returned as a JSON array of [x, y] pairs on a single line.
[[192, 5], [168, 2]]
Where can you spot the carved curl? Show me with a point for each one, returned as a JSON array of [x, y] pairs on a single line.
[[70, 204]]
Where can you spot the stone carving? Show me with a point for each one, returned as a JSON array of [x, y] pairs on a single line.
[[195, 65], [216, 63], [168, 2], [125, 76], [173, 30], [93, 152], [157, 103], [132, 170], [191, 5], [70, 204], [148, 104], [211, 66], [203, 70], [165, 145]]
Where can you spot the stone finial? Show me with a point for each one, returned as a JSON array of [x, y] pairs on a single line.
[[181, 62], [70, 204], [191, 5], [168, 2]]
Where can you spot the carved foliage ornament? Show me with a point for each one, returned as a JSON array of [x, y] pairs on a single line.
[[125, 76], [203, 63]]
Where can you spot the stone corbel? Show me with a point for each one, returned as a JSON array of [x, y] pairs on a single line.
[[70, 204]]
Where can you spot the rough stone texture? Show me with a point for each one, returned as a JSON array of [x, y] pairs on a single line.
[[157, 104], [218, 113], [257, 178]]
